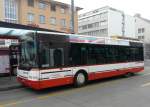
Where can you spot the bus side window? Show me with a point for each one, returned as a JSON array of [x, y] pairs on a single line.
[[58, 57]]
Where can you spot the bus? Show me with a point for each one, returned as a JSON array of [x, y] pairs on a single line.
[[50, 59]]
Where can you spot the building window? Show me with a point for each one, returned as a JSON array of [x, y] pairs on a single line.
[[103, 31], [53, 6], [42, 5], [103, 23], [42, 19], [90, 26], [11, 11], [96, 24], [30, 17], [103, 15], [53, 20], [71, 24], [141, 37], [84, 27], [62, 10], [31, 3], [2, 42], [141, 30], [63, 22]]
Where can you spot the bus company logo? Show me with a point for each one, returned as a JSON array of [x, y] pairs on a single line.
[[99, 41], [78, 39]]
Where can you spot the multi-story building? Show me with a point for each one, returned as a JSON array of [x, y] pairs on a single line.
[[106, 21], [142, 27], [47, 14], [142, 31]]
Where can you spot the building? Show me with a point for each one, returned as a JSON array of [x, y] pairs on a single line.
[[47, 14], [142, 30], [106, 21], [142, 27]]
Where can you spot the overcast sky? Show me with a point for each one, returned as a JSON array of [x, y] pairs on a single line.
[[128, 6]]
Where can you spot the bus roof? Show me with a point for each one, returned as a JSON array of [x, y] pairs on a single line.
[[75, 38]]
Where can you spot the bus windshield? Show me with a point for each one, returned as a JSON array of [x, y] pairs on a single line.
[[28, 52]]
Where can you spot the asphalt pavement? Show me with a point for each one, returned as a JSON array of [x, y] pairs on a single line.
[[112, 92], [9, 83]]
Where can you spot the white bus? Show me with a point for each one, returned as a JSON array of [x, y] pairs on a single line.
[[49, 59]]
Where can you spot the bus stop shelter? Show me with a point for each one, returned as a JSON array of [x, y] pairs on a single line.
[[9, 42]]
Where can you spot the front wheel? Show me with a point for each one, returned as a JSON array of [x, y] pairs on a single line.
[[80, 79]]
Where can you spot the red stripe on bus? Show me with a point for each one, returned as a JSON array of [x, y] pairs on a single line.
[[37, 85], [107, 74]]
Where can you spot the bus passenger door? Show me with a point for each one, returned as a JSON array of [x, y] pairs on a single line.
[[58, 61]]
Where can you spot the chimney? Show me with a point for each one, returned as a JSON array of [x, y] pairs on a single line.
[[137, 15]]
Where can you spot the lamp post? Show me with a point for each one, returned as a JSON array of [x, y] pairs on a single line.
[[72, 16]]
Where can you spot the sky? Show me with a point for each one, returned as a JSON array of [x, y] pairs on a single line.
[[129, 7]]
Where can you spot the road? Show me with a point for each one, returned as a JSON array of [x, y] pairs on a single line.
[[113, 92]]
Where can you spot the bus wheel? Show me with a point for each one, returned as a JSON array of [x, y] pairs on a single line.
[[80, 79], [129, 74]]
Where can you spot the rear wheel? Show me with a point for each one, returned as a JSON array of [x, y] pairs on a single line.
[[129, 74], [80, 79]]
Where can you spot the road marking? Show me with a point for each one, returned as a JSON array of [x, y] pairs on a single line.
[[62, 92], [73, 90], [146, 84], [146, 74]]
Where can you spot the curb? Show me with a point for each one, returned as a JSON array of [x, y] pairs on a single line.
[[11, 88]]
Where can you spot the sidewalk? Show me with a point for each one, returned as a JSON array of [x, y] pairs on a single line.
[[7, 83]]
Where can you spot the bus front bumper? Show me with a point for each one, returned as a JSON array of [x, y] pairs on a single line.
[[32, 84]]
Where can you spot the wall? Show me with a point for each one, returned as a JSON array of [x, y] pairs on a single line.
[[1, 10], [130, 26], [114, 23], [140, 23], [25, 9]]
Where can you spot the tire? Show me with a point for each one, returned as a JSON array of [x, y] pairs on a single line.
[[80, 79], [129, 74]]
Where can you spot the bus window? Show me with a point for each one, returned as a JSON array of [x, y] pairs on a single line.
[[84, 55], [96, 54], [58, 57], [45, 57]]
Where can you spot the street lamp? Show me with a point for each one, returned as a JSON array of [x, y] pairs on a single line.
[[72, 16]]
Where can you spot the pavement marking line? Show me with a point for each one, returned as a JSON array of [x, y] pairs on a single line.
[[12, 104], [63, 92], [146, 74], [146, 84], [90, 87]]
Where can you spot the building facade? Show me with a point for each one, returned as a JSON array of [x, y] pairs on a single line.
[[47, 14], [142, 27], [106, 21], [142, 30]]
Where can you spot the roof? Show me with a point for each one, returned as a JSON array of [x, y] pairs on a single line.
[[95, 11], [147, 20], [63, 4], [20, 26], [74, 38], [67, 5]]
